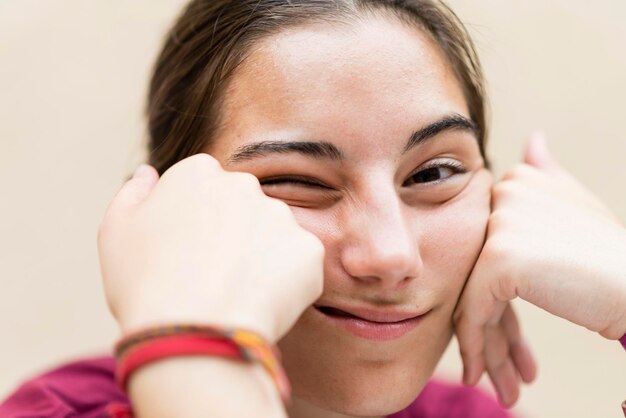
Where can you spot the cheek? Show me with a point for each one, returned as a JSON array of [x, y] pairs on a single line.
[[452, 238]]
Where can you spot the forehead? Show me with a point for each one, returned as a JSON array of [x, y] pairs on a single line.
[[367, 82]]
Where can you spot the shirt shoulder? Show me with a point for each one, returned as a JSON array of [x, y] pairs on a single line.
[[84, 388], [440, 399]]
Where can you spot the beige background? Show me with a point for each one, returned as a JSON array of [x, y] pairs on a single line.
[[72, 81]]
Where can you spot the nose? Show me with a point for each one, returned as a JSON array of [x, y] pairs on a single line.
[[381, 247]]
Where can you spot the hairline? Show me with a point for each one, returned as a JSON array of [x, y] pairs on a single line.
[[347, 17]]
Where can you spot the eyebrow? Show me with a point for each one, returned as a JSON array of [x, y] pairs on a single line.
[[326, 150], [318, 150], [447, 123]]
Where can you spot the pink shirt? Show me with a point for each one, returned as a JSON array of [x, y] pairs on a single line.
[[87, 389]]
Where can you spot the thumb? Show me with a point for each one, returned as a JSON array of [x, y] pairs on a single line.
[[538, 155], [135, 190]]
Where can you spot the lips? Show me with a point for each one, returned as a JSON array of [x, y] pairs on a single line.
[[372, 315], [372, 324]]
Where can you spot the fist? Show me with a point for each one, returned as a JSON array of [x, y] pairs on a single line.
[[203, 245]]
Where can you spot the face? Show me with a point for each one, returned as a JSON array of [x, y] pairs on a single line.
[[364, 132]]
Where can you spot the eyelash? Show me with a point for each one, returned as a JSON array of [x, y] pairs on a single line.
[[293, 180], [455, 166]]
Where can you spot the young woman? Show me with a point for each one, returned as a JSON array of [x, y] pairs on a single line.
[[318, 176]]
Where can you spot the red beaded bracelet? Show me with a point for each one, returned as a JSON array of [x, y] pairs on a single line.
[[143, 347]]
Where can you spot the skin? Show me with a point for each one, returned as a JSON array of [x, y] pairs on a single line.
[[375, 234], [390, 242], [553, 244]]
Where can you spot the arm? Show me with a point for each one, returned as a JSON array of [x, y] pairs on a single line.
[[224, 254], [553, 244], [209, 387]]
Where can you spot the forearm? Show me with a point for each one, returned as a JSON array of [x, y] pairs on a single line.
[[204, 387]]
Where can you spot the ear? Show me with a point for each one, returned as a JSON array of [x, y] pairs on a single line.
[[538, 155]]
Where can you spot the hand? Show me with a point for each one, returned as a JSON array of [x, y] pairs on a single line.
[[205, 245], [553, 244]]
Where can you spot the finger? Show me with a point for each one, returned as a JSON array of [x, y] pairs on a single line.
[[522, 357], [471, 335], [500, 366], [137, 188], [537, 153], [469, 330], [470, 319], [477, 307], [471, 346]]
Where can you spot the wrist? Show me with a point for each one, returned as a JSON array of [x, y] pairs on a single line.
[[150, 345], [144, 321], [210, 386]]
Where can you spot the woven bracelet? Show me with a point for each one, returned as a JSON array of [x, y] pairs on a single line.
[[146, 346]]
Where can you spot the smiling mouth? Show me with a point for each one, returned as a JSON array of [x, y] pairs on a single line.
[[379, 325], [380, 317], [336, 312]]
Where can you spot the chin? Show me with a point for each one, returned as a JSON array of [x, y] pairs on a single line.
[[376, 400], [358, 377], [364, 392]]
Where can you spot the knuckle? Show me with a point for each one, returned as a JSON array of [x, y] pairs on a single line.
[[203, 160], [502, 189], [281, 210], [203, 163], [316, 272], [497, 219], [315, 245], [520, 171], [243, 179], [317, 289], [198, 163]]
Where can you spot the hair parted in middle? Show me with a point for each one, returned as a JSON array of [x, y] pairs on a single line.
[[212, 38]]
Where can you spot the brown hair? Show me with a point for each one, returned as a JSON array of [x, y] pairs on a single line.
[[211, 38]]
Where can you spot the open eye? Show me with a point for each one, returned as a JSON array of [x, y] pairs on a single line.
[[435, 173]]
